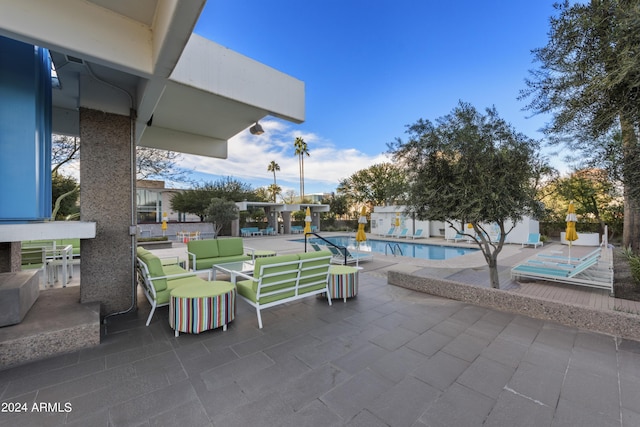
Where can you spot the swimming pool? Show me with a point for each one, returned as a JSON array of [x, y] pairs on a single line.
[[410, 249]]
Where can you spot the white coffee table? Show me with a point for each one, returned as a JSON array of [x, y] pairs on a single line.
[[245, 267]]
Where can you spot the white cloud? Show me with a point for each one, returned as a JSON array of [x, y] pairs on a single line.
[[249, 155]]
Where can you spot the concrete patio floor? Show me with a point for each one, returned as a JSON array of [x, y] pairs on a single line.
[[389, 357]]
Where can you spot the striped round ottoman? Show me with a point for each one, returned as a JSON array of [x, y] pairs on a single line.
[[343, 281], [198, 307]]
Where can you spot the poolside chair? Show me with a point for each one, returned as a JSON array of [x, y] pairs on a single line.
[[316, 247], [533, 239], [564, 259], [585, 273], [403, 233], [338, 256], [390, 233], [455, 238], [417, 234]]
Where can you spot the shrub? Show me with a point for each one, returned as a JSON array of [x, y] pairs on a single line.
[[634, 264]]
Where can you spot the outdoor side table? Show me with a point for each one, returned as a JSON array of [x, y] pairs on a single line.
[[262, 253], [343, 281], [194, 308]]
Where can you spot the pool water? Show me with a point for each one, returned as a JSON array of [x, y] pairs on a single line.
[[410, 249]]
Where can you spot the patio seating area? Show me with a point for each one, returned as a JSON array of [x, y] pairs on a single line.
[[388, 356]]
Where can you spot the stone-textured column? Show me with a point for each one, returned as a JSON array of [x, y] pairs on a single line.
[[235, 227], [286, 221], [105, 197], [272, 217], [10, 257]]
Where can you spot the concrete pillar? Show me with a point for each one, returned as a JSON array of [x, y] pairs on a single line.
[[10, 257], [235, 227], [315, 219], [272, 217], [286, 221], [106, 169]]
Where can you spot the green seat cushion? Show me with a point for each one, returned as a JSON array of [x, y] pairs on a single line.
[[142, 251], [162, 297], [230, 247], [155, 270], [245, 288], [173, 269], [207, 248]]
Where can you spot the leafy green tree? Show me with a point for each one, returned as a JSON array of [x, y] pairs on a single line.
[[473, 168], [64, 192], [592, 191], [263, 194], [378, 185], [338, 205], [221, 212], [589, 80], [274, 190], [300, 150], [273, 167], [197, 200]]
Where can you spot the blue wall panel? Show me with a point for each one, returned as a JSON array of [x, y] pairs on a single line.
[[25, 132]]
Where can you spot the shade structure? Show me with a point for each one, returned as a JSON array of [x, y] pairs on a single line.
[[307, 221], [360, 235], [570, 233]]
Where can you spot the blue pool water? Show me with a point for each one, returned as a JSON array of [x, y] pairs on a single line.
[[415, 250]]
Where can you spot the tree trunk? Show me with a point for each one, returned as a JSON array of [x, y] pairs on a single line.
[[631, 226], [493, 273]]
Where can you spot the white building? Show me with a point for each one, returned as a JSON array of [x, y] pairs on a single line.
[[383, 218]]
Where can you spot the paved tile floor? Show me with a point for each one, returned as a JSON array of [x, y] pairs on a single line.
[[389, 357]]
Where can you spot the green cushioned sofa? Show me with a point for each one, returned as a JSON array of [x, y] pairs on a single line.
[[280, 279], [204, 253]]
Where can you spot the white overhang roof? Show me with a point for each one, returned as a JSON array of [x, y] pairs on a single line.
[[190, 94]]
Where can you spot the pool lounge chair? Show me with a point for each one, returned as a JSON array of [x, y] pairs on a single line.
[[586, 273], [338, 256], [402, 233], [533, 239], [417, 234], [390, 233], [572, 260], [456, 238]]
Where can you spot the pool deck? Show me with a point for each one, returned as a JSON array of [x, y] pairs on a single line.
[[388, 357]]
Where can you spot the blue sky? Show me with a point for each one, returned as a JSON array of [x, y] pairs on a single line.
[[370, 68]]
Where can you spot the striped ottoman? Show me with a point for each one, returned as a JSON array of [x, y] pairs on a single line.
[[198, 307], [343, 281]]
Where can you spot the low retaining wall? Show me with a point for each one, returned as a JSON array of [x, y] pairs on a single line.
[[609, 322]]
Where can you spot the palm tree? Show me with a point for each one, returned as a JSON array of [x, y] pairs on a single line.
[[273, 167], [274, 189], [301, 150]]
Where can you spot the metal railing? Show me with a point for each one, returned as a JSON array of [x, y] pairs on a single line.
[[341, 249], [395, 249]]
